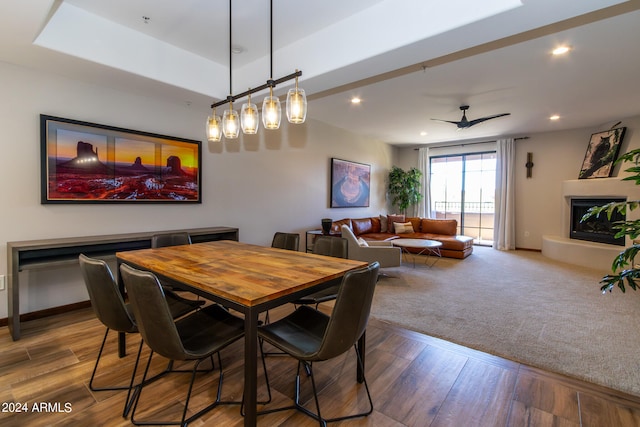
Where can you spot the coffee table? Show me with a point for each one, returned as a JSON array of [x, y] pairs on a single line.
[[426, 247]]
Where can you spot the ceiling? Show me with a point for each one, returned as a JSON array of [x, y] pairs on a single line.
[[408, 65]]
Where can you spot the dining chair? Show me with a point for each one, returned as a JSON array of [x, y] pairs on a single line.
[[289, 241], [311, 336], [197, 336], [328, 246], [178, 238], [109, 306], [170, 239]]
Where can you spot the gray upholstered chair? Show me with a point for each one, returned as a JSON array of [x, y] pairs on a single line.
[[311, 336], [197, 336], [289, 241], [328, 246], [111, 310], [383, 252]]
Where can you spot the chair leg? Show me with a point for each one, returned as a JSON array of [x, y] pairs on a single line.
[[317, 416], [184, 420]]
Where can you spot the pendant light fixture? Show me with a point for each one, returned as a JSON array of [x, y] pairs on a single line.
[[214, 127], [230, 119], [296, 105], [248, 119]]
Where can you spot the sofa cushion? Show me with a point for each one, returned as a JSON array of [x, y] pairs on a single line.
[[415, 222], [383, 224], [364, 225], [403, 227], [391, 219], [439, 226], [336, 226]]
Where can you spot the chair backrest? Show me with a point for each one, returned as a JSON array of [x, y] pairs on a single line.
[[350, 312], [152, 313], [289, 241], [106, 300], [170, 239], [331, 246], [352, 240]]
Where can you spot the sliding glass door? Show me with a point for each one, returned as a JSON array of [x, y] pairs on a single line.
[[463, 188]]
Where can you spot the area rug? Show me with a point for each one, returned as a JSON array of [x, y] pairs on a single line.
[[524, 307]]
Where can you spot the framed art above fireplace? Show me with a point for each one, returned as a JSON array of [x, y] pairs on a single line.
[[85, 162], [602, 152]]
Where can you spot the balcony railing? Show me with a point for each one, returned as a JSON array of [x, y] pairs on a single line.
[[469, 207]]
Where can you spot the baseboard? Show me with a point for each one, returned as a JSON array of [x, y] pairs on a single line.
[[49, 312]]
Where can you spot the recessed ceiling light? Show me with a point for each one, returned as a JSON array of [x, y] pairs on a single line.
[[423, 133], [237, 49], [561, 50], [554, 117], [356, 100]]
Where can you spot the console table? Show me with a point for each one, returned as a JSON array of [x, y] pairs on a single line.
[[41, 254]]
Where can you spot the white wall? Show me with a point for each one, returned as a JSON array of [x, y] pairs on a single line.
[[557, 156], [274, 181]]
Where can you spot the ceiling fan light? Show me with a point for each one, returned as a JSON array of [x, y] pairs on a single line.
[[230, 123], [271, 112], [214, 127], [249, 120]]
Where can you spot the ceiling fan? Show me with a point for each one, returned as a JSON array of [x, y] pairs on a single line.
[[464, 123]]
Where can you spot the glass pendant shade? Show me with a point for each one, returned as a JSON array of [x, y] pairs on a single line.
[[271, 111], [296, 105], [230, 123], [249, 118], [214, 128]]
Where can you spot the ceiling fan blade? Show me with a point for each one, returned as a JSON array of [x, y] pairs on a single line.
[[484, 119], [447, 121]]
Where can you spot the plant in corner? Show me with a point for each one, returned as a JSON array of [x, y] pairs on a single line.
[[623, 269], [404, 187]]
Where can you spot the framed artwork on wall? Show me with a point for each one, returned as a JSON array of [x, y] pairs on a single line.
[[602, 152], [350, 184], [85, 162]]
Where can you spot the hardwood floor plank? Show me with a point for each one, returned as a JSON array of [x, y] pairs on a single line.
[[548, 396], [481, 396], [596, 411]]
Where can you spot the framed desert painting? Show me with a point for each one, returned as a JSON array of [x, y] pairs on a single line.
[[350, 184], [602, 152], [85, 162]]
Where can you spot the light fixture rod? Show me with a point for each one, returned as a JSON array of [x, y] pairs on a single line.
[[257, 89], [230, 86]]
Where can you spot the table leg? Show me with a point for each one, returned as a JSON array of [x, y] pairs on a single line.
[[122, 340], [250, 367], [362, 341]]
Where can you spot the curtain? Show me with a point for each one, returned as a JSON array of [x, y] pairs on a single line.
[[424, 207], [504, 235]]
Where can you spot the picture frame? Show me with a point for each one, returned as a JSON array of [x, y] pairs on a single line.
[[601, 154], [350, 184], [84, 162]]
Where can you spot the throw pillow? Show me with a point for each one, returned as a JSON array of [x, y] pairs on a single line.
[[403, 228], [362, 242], [383, 223], [391, 219]]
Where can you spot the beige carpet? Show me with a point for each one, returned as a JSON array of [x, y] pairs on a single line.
[[524, 307]]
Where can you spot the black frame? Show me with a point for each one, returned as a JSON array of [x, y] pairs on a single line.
[[116, 165], [360, 189]]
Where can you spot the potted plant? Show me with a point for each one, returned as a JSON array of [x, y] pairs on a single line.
[[624, 271], [404, 187]]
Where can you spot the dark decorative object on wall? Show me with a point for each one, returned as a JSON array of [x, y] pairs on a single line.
[[350, 184], [326, 225], [529, 165], [90, 163], [602, 151]]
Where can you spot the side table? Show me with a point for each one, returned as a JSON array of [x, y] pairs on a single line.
[[426, 247]]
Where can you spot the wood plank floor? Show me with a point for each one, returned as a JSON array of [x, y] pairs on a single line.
[[415, 380]]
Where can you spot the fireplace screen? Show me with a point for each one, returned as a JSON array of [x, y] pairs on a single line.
[[595, 229]]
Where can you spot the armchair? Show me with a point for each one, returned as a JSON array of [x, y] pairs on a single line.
[[382, 251]]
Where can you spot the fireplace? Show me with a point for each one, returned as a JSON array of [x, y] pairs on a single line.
[[595, 229]]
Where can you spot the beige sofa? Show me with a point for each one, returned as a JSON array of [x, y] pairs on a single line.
[[381, 229]]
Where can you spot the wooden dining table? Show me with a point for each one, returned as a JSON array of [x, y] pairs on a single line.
[[244, 277]]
